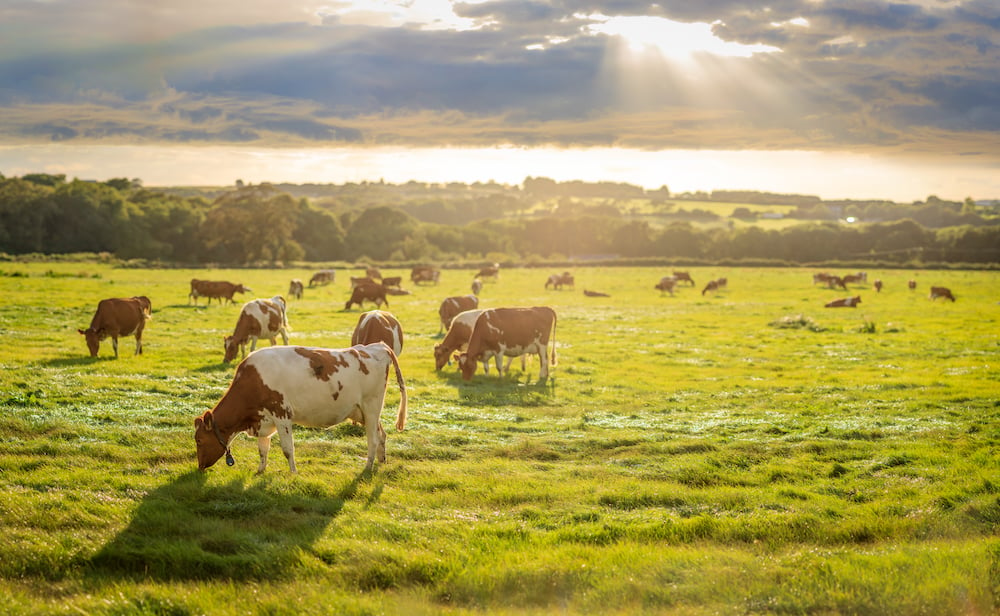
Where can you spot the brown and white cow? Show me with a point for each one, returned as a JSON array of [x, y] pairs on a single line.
[[944, 292], [279, 386], [558, 281], [855, 278], [379, 326], [679, 276], [877, 285], [357, 281], [511, 332], [457, 340], [295, 288], [713, 285], [477, 286], [322, 277], [118, 316], [424, 273], [367, 292], [451, 306], [259, 318], [373, 273], [667, 283], [215, 289], [392, 282], [821, 277], [911, 284], [845, 302], [490, 271]]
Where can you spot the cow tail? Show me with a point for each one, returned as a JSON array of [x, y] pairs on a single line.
[[401, 413], [554, 318]]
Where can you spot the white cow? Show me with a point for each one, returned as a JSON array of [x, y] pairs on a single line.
[[259, 318], [283, 385]]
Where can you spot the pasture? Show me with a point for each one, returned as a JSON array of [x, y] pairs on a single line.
[[743, 452]]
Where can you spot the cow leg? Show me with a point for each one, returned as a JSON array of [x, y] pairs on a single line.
[[543, 358], [264, 434], [138, 344], [114, 345], [498, 358], [253, 343], [287, 444], [284, 338]]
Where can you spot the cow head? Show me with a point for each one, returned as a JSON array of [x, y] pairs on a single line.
[[440, 356], [231, 349], [241, 289], [93, 340], [467, 366], [207, 441]]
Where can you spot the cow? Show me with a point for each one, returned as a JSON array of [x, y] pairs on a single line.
[[392, 282], [378, 326], [944, 292], [217, 289], [457, 340], [424, 273], [322, 278], [912, 284], [712, 285], [477, 286], [452, 306], [118, 316], [855, 278], [283, 385], [878, 285], [358, 281], [590, 293], [369, 292], [834, 281], [490, 271], [373, 273], [845, 302], [295, 288], [821, 277], [512, 332], [667, 283], [558, 281], [679, 276], [259, 318]]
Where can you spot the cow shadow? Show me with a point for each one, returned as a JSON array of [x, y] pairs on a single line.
[[76, 360], [247, 529], [513, 389]]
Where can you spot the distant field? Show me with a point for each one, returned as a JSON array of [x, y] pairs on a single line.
[[745, 451]]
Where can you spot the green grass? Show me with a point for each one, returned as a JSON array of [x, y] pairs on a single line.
[[746, 451]]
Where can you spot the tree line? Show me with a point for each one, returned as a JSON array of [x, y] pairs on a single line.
[[41, 213]]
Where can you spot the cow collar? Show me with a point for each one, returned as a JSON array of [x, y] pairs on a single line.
[[229, 456]]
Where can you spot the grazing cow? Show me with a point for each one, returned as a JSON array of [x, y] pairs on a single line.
[[423, 273], [855, 278], [845, 302], [589, 293], [259, 318], [379, 326], [490, 271], [119, 316], [217, 289], [393, 282], [457, 340], [821, 277], [912, 284], [369, 292], [295, 288], [322, 278], [358, 281], [558, 281], [477, 286], [711, 286], [835, 281], [667, 283], [280, 386], [452, 306], [372, 272], [944, 292], [512, 332], [679, 276], [878, 285]]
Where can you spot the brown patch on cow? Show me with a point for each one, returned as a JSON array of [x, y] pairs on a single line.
[[340, 388], [274, 320], [360, 354], [323, 365], [263, 396]]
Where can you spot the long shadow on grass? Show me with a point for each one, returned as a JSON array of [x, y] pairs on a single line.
[[509, 390], [245, 529]]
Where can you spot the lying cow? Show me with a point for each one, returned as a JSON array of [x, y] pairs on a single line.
[[944, 292], [590, 293], [845, 302], [457, 340], [368, 292], [259, 318], [379, 326], [283, 385], [451, 306], [215, 289], [116, 317], [512, 332], [295, 288], [322, 277]]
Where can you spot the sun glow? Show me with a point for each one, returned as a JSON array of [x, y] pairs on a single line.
[[674, 40]]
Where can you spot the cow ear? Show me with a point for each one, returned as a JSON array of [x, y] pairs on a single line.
[[207, 419]]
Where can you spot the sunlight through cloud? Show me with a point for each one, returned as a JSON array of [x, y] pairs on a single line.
[[675, 40]]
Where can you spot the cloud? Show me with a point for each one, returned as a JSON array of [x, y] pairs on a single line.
[[854, 74]]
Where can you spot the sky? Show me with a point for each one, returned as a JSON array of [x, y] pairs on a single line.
[[835, 98]]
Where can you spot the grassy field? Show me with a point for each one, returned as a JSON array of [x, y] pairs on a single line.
[[746, 451]]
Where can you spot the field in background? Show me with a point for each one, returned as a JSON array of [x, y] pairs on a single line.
[[745, 451]]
